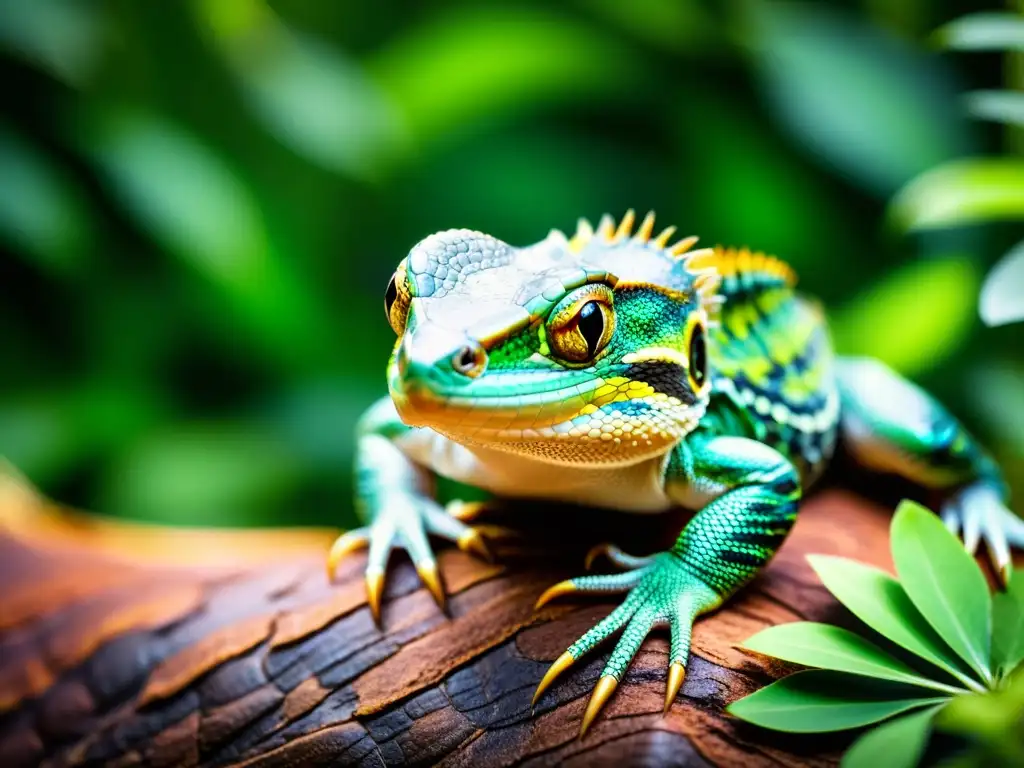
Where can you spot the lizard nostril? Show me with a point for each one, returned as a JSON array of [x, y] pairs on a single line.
[[470, 360]]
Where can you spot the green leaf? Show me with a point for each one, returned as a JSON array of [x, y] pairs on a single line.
[[944, 582], [898, 743], [999, 106], [834, 648], [184, 193], [1008, 626], [905, 299], [46, 219], [816, 702], [471, 65], [306, 93], [867, 104], [757, 195], [970, 191], [877, 599], [992, 31], [1001, 413], [63, 38], [1002, 295], [194, 204]]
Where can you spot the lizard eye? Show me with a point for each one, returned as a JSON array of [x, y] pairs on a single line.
[[590, 325], [396, 300], [698, 358], [580, 329], [390, 297]]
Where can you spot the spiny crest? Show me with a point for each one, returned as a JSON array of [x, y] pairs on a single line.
[[741, 273], [744, 266], [706, 278]]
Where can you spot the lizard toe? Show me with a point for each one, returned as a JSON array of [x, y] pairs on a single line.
[[660, 593], [343, 546], [978, 513]]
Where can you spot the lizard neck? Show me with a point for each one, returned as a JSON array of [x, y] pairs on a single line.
[[636, 486]]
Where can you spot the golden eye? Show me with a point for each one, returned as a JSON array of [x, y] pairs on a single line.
[[582, 336], [698, 358], [390, 297], [396, 300]]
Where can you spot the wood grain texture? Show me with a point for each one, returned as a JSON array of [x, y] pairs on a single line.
[[125, 645]]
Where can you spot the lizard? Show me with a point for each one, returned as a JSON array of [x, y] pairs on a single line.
[[618, 369]]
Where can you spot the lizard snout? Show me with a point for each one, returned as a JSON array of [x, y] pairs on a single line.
[[439, 360]]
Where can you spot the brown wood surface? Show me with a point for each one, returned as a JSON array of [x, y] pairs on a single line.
[[124, 645]]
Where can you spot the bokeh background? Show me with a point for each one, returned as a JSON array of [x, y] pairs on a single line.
[[202, 202]]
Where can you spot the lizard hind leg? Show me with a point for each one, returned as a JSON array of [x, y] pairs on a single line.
[[890, 425]]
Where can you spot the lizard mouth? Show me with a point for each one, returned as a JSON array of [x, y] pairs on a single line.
[[495, 415], [564, 425]]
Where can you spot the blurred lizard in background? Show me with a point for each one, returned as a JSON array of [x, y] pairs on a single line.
[[616, 369]]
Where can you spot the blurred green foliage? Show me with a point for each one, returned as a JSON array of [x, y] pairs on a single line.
[[203, 201]]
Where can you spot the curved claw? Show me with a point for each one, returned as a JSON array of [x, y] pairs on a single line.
[[676, 675], [605, 584], [471, 541], [344, 545], [559, 666], [432, 580], [466, 511], [374, 589], [602, 692], [617, 557], [559, 589], [593, 553]]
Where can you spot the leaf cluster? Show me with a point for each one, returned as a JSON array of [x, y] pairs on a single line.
[[957, 652]]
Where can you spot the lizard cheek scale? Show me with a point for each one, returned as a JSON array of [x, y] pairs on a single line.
[[615, 368]]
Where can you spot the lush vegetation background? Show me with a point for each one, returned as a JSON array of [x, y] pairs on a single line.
[[202, 203]]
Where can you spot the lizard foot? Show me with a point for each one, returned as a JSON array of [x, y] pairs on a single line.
[[978, 514], [405, 520], [662, 592]]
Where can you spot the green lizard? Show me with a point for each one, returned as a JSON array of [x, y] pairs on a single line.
[[616, 370]]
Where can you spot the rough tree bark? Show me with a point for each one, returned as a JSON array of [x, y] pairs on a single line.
[[124, 645]]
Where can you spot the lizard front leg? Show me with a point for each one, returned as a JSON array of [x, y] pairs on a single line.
[[754, 492], [394, 500]]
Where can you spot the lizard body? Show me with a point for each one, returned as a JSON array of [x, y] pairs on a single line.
[[615, 369]]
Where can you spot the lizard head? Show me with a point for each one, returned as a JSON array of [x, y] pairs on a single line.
[[589, 350]]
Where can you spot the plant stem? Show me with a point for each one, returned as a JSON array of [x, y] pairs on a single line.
[[970, 682], [950, 689], [974, 685]]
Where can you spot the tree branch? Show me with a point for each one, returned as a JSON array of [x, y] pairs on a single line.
[[127, 645]]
